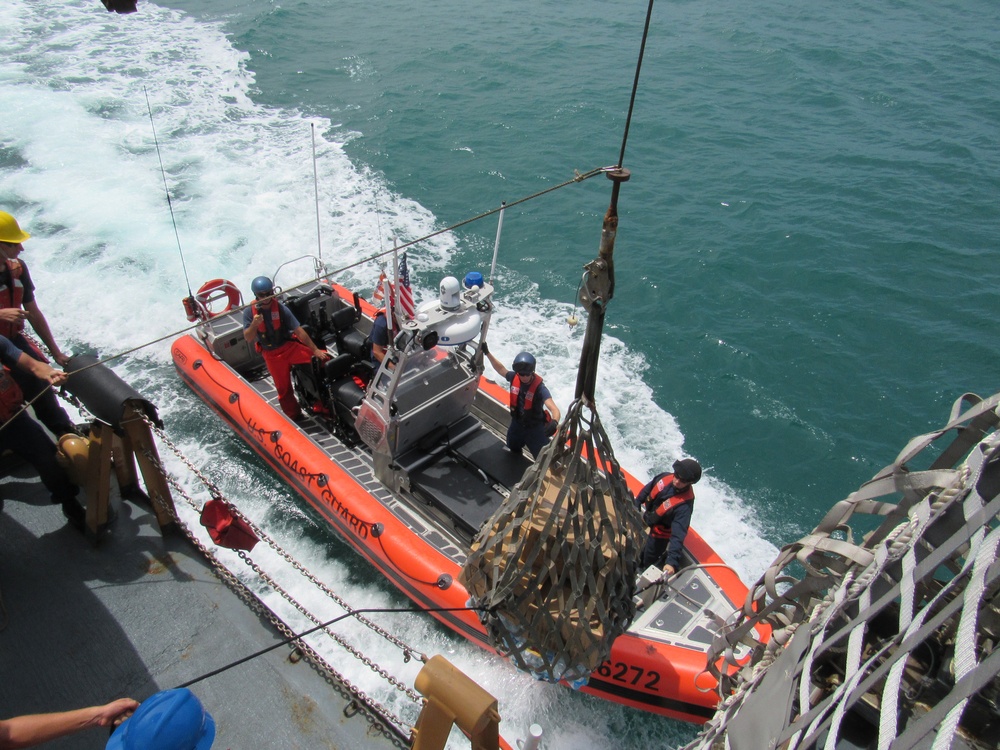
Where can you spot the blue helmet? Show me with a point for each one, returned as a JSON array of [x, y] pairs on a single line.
[[169, 720], [524, 364], [262, 287]]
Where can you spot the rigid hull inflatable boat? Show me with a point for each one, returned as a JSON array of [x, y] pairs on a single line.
[[408, 460]]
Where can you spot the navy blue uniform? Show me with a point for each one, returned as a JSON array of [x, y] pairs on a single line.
[[527, 427]]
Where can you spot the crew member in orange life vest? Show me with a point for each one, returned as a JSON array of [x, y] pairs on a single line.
[[281, 339], [24, 437], [667, 503], [534, 416], [17, 304]]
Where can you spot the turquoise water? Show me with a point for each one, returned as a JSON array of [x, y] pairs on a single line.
[[807, 260]]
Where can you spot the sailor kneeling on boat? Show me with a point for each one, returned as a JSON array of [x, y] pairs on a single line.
[[281, 339], [667, 503]]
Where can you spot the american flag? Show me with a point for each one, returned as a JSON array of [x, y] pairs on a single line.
[[405, 293]]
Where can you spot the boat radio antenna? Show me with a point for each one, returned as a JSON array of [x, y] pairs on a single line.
[[496, 245], [635, 82], [319, 243], [166, 190]]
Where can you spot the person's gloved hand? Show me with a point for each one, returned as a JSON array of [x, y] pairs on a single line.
[[551, 428], [650, 517], [485, 348]]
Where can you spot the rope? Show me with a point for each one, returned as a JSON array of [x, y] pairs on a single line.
[[323, 626], [578, 177]]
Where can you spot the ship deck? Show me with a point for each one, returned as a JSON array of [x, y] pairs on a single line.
[[82, 624]]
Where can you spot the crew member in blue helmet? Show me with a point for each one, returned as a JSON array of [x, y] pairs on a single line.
[[281, 339], [534, 416], [667, 504], [169, 720]]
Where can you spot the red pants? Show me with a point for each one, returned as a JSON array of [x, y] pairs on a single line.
[[279, 363]]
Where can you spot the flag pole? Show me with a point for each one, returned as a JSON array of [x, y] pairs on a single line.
[[396, 310]]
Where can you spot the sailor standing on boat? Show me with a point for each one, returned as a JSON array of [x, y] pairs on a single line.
[[667, 503], [281, 339], [379, 336], [17, 304], [534, 416]]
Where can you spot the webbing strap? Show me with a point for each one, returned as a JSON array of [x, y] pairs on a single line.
[[882, 612]]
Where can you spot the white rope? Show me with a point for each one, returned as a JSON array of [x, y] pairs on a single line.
[[965, 641]]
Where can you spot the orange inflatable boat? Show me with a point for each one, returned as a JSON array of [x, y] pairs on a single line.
[[406, 461]]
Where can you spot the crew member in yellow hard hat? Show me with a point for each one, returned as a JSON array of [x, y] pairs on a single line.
[[17, 304]]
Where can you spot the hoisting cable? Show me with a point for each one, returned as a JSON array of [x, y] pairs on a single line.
[[555, 567], [321, 626], [635, 82], [170, 205]]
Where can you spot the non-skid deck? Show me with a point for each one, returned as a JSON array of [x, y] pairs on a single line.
[[81, 625]]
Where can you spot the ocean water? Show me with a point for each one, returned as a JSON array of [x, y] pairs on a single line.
[[807, 260]]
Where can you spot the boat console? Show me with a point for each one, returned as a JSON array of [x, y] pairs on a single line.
[[425, 387]]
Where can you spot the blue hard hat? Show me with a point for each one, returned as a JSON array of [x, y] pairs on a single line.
[[261, 286], [169, 720], [524, 363]]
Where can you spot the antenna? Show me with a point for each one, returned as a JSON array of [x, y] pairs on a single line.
[[170, 205], [319, 244]]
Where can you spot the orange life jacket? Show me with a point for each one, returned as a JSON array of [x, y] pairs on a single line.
[[11, 296], [529, 398], [11, 397], [271, 333], [660, 529]]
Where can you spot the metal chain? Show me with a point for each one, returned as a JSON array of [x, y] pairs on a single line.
[[270, 581], [379, 715], [382, 711], [266, 577], [408, 651]]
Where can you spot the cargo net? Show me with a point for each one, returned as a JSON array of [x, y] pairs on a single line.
[[555, 567], [889, 641]]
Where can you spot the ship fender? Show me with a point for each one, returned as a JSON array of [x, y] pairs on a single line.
[[103, 393]]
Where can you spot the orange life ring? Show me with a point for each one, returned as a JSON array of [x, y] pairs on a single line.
[[215, 290]]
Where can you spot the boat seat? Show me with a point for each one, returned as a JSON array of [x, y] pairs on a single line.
[[315, 310], [458, 490], [308, 388], [490, 453], [438, 442], [349, 339], [344, 390]]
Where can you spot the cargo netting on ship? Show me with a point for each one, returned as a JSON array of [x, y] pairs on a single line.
[[886, 618]]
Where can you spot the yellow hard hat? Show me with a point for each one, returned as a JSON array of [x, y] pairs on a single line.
[[10, 231]]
